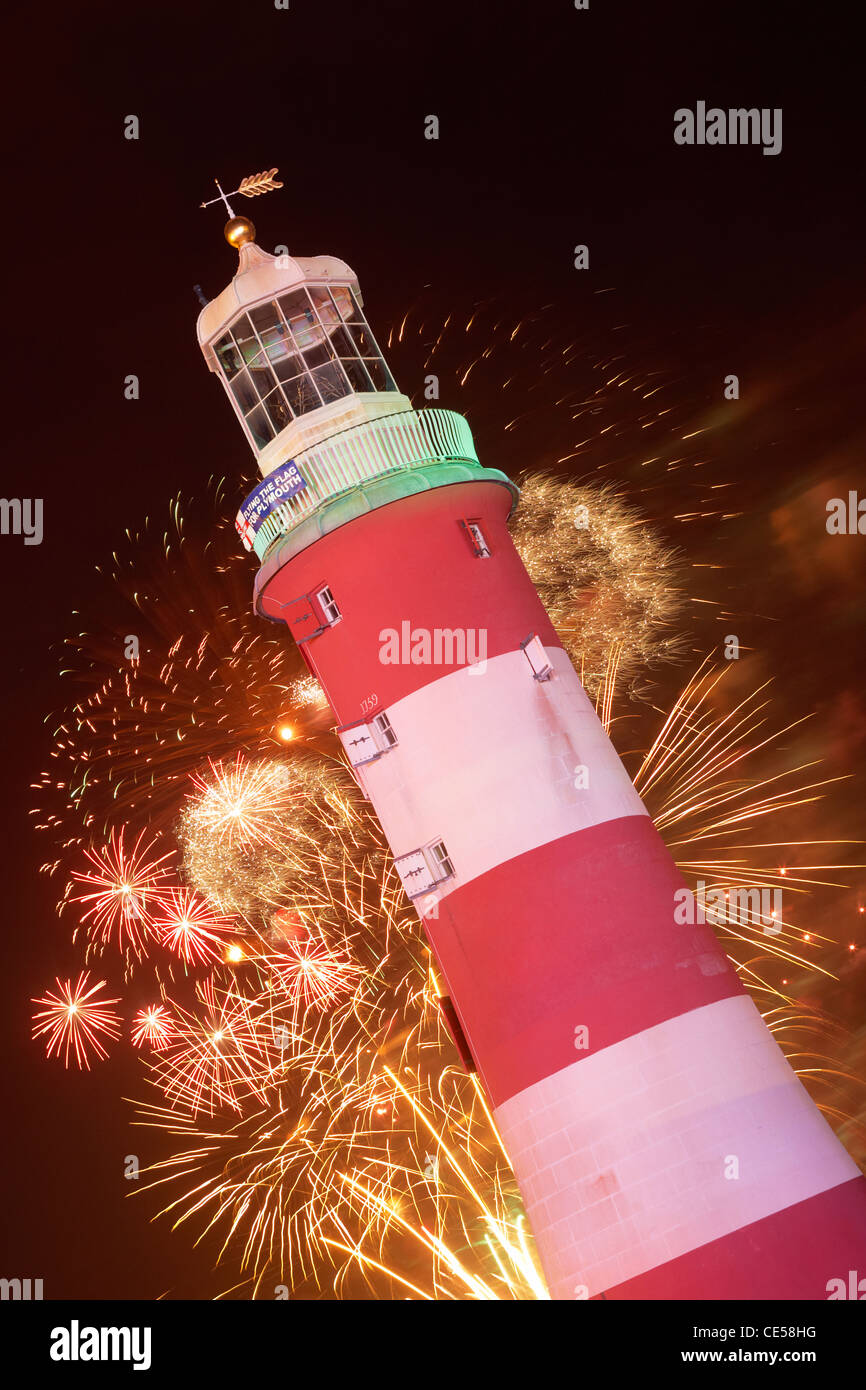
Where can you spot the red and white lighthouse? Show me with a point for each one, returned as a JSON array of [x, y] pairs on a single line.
[[663, 1146]]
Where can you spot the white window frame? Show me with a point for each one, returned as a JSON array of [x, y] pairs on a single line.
[[425, 865], [367, 740], [384, 731], [477, 538], [437, 853], [359, 743], [326, 605], [539, 662]]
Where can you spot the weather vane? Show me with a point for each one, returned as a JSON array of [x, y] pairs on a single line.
[[250, 187], [241, 229]]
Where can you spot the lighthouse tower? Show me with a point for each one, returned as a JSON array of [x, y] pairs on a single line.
[[662, 1144]]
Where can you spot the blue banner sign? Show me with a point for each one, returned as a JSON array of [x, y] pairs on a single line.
[[277, 488]]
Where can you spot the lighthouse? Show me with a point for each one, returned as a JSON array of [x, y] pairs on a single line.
[[663, 1146]]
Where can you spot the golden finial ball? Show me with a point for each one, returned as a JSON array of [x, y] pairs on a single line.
[[238, 231]]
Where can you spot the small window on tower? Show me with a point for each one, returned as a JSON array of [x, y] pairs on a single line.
[[477, 539], [359, 743], [421, 869], [440, 860], [228, 356], [385, 730], [365, 743], [328, 605], [533, 650]]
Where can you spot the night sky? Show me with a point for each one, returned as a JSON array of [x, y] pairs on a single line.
[[556, 128]]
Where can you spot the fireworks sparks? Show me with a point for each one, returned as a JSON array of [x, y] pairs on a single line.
[[607, 581], [188, 926], [217, 1053], [207, 679], [153, 1026], [258, 832], [311, 974], [704, 784], [75, 1020], [306, 692], [125, 889], [451, 1171], [236, 804]]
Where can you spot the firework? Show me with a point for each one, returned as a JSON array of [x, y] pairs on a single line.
[[237, 803], [310, 974], [217, 1053], [325, 1004], [608, 582], [387, 1191], [707, 787], [153, 1026], [75, 1020], [464, 1217], [306, 692], [188, 926], [203, 678], [257, 833], [125, 886]]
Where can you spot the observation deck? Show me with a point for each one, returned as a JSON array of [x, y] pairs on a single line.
[[356, 470]]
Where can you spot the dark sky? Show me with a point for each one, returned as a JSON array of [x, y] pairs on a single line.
[[556, 128]]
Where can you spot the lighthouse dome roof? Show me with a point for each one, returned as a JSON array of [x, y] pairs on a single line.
[[262, 276]]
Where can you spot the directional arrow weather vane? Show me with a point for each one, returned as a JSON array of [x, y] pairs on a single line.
[[250, 187]]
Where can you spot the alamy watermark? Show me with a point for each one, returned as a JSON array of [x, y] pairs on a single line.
[[846, 518], [21, 1290], [22, 516], [77, 1343], [735, 126], [854, 1289], [747, 906], [438, 646]]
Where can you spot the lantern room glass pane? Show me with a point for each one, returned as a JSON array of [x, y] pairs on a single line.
[[278, 411], [259, 427], [341, 343], [324, 305], [316, 356], [299, 316], [262, 377], [302, 395], [365, 345], [285, 368], [331, 382], [272, 331], [294, 305], [277, 342], [347, 306], [248, 343], [357, 376], [263, 317], [379, 374], [242, 390], [228, 357]]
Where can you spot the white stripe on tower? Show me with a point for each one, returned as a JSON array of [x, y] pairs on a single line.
[[670, 1139], [494, 762]]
